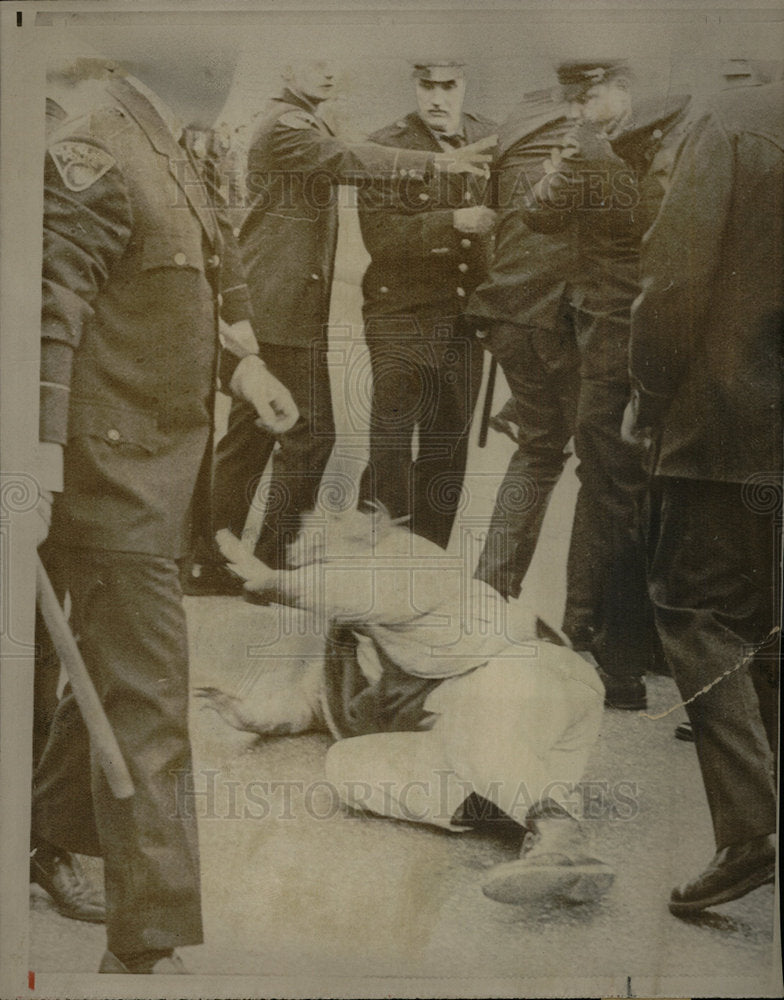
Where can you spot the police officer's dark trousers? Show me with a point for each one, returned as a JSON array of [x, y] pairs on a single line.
[[714, 584], [430, 388], [127, 614], [541, 368], [608, 611], [298, 464]]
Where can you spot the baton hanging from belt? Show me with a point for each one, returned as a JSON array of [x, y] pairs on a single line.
[[488, 403], [102, 739]]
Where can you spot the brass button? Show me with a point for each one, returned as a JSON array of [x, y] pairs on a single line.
[[383, 289], [113, 434], [236, 231], [180, 259], [315, 277], [213, 261], [463, 267], [465, 244], [424, 196], [460, 291], [469, 196], [220, 300]]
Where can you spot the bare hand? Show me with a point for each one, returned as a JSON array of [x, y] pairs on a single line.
[[470, 159], [253, 382], [244, 564], [238, 338], [478, 219], [630, 432]]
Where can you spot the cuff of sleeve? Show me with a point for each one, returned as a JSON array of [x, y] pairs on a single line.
[[53, 413], [227, 365], [236, 304], [650, 407]]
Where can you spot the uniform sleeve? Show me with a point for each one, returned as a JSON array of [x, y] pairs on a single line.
[[596, 179], [520, 250], [679, 257], [298, 146], [234, 294], [86, 231]]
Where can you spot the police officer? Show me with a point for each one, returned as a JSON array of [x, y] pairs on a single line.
[[288, 240], [428, 244], [134, 278], [521, 314], [706, 353], [601, 179]]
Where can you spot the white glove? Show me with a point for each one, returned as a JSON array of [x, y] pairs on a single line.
[[253, 382], [478, 219]]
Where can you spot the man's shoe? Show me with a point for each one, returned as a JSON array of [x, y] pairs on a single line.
[[62, 876], [553, 863], [166, 965], [733, 872], [209, 580], [629, 694], [684, 732]]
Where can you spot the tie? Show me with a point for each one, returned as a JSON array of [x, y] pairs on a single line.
[[455, 141]]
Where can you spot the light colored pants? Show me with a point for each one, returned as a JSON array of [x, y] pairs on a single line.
[[515, 730]]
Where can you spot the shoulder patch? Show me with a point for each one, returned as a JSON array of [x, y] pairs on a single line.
[[298, 119], [79, 164]]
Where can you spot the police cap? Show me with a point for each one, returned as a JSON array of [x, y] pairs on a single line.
[[438, 69], [578, 76]]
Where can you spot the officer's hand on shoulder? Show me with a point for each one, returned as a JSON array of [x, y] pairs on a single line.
[[272, 401], [587, 143], [478, 219]]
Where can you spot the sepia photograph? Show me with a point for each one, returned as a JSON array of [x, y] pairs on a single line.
[[392, 499]]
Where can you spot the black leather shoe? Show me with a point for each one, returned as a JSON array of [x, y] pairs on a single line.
[[629, 694], [684, 732], [166, 965], [733, 872], [61, 875]]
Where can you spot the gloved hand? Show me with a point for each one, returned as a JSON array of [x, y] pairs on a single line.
[[253, 382], [478, 219]]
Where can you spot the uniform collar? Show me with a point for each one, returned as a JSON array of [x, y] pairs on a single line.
[[291, 97], [439, 136], [169, 118]]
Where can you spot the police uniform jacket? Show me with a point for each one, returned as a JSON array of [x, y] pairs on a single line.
[[132, 276], [421, 266], [706, 347], [289, 234], [528, 273]]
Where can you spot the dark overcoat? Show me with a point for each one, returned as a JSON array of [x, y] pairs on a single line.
[[707, 331], [289, 234], [132, 273], [421, 266]]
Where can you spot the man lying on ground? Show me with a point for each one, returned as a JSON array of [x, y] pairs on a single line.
[[437, 715]]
